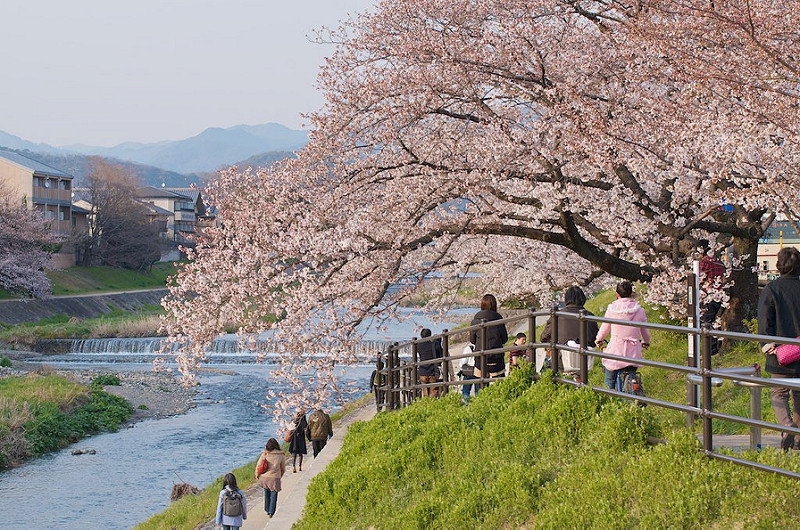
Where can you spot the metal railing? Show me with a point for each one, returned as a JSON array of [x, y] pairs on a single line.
[[399, 384]]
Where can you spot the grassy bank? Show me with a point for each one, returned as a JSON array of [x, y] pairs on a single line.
[[85, 280], [193, 510], [142, 323], [100, 279], [40, 413], [537, 455], [671, 386]]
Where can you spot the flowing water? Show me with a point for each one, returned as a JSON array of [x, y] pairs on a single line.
[[131, 476]]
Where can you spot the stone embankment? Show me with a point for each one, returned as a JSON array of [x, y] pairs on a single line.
[[13, 312]]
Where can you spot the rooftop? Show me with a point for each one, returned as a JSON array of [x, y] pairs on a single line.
[[38, 168]]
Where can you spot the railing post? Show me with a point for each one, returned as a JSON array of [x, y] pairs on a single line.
[[554, 353], [705, 353], [388, 396], [414, 370], [445, 362], [755, 411], [532, 339], [378, 386], [483, 354], [691, 357], [395, 376], [584, 369]]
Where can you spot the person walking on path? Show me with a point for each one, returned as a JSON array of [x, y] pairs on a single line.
[[428, 373], [270, 480], [377, 382], [232, 504], [496, 337], [319, 430], [297, 443], [625, 340], [779, 316], [569, 328]]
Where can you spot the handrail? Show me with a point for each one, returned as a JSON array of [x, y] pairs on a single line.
[[401, 382]]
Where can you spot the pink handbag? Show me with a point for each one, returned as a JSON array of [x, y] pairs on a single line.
[[788, 353]]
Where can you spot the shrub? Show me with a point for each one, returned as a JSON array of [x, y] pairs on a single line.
[[5, 362], [106, 380]]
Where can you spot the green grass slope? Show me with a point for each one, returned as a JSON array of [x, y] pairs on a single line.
[[537, 456]]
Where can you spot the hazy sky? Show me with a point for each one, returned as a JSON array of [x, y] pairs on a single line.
[[101, 72]]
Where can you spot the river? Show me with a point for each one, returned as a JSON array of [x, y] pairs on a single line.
[[131, 476]]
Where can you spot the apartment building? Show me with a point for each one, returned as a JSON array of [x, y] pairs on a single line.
[[185, 205], [48, 190]]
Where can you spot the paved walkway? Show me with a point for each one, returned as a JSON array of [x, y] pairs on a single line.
[[294, 486]]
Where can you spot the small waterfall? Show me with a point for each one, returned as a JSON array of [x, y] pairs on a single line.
[[225, 349]]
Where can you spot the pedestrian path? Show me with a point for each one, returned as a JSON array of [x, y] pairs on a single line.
[[294, 486]]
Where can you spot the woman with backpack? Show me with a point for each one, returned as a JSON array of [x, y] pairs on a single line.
[[297, 442], [232, 505], [272, 456]]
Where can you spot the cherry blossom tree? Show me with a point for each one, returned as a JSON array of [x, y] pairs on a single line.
[[25, 247], [539, 143]]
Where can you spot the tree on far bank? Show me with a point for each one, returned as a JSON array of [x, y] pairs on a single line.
[[119, 234], [26, 244], [541, 143]]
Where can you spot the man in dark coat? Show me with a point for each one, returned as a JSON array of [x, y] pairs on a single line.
[[779, 316], [429, 373], [319, 430]]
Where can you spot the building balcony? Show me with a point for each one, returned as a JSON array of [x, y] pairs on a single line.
[[51, 194], [182, 215]]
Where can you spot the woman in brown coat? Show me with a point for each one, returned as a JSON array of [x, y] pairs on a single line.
[[270, 480]]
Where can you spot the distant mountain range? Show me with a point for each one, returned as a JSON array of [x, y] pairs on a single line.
[[174, 163]]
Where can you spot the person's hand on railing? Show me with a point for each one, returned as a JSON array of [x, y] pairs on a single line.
[[768, 348]]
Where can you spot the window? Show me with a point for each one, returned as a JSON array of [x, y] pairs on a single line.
[[65, 184]]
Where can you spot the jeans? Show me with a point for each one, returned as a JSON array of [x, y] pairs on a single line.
[[613, 380], [466, 388], [270, 501], [230, 527]]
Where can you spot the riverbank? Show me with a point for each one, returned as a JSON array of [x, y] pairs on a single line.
[[152, 395], [43, 409]]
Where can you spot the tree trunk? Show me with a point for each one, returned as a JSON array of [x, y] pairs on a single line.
[[744, 293]]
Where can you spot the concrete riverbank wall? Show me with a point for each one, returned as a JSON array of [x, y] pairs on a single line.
[[14, 312]]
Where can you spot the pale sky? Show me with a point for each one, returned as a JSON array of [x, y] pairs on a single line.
[[102, 72]]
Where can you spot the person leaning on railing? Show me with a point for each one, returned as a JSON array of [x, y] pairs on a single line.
[[624, 339], [779, 316], [496, 337], [569, 328], [429, 373]]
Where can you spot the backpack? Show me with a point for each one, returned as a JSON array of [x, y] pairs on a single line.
[[232, 503]]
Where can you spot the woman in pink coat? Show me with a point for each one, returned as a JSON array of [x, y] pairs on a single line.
[[624, 339]]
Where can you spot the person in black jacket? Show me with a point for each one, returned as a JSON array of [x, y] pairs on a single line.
[[496, 337], [779, 316], [569, 328], [429, 373]]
